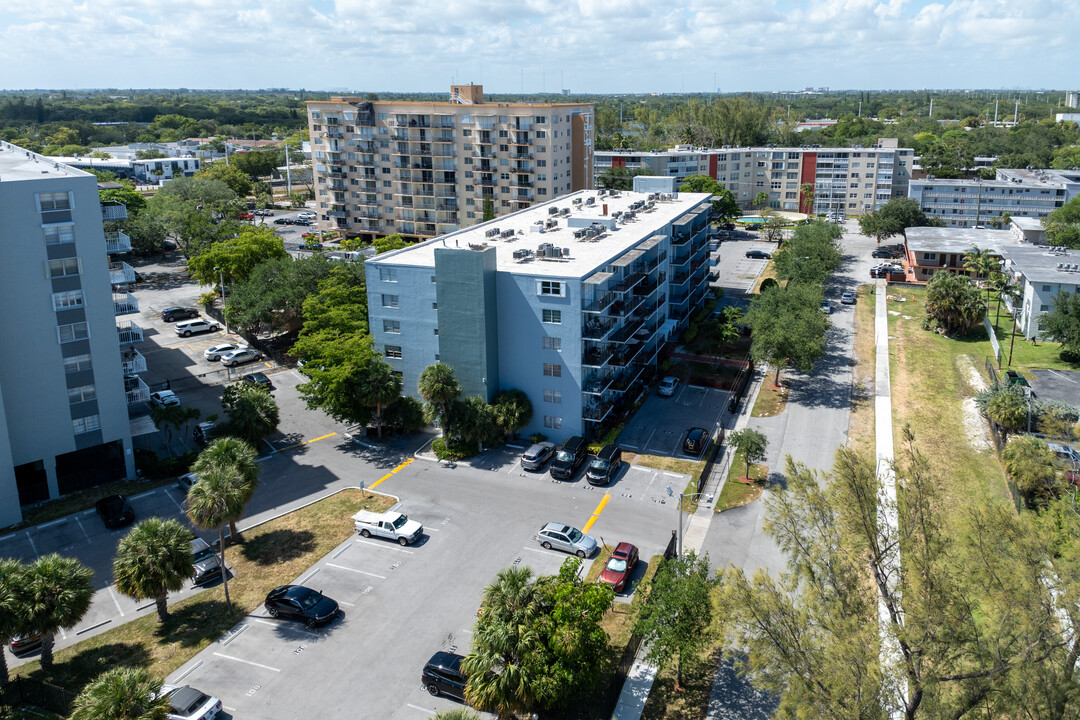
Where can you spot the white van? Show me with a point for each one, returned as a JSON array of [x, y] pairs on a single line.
[[193, 327]]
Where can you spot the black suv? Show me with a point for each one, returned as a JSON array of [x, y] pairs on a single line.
[[178, 313], [604, 466], [568, 458], [442, 675]]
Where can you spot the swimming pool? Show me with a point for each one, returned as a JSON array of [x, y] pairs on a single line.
[[750, 220]]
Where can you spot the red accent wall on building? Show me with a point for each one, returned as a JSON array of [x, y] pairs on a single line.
[[712, 166], [618, 162], [809, 171]]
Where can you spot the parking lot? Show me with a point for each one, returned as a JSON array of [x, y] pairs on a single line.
[[736, 273], [660, 426]]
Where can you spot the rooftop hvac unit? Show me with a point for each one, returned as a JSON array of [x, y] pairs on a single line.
[[566, 252], [1060, 266], [617, 214], [590, 201], [576, 201], [578, 234], [508, 233], [553, 210], [601, 193], [551, 223]]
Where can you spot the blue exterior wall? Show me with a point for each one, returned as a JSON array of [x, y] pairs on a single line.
[[415, 313]]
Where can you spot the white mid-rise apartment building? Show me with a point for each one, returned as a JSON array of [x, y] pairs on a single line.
[[423, 169], [1019, 192]]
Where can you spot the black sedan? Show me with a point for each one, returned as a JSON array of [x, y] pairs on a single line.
[[283, 221], [758, 254], [259, 380], [115, 511], [881, 253], [173, 314], [300, 603], [696, 440]]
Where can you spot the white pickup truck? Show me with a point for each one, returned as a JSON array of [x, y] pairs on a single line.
[[389, 524]]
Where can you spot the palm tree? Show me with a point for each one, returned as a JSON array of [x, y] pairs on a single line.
[[153, 560], [497, 670], [122, 693], [57, 595], [808, 197], [438, 386], [984, 265], [513, 410], [11, 622], [253, 414], [382, 387], [237, 461], [213, 502]]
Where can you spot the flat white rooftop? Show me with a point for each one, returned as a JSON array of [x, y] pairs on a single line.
[[17, 163], [958, 240], [585, 254]]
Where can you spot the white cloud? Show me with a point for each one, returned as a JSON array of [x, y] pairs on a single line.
[[596, 45]]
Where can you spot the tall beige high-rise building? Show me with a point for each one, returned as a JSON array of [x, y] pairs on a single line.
[[427, 168]]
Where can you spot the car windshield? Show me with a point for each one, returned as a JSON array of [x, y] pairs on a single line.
[[309, 600], [402, 519], [616, 565], [600, 464], [203, 554], [575, 535], [565, 456]]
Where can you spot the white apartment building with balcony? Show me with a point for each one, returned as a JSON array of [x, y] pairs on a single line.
[[568, 301], [428, 168], [63, 408], [1021, 193]]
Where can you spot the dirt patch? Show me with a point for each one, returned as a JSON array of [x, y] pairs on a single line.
[[975, 427]]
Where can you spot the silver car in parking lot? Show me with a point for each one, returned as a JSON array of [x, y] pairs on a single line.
[[537, 454], [566, 538]]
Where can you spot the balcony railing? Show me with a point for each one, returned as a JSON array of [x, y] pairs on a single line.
[[113, 211], [598, 412], [595, 357], [117, 242], [124, 303], [121, 273], [136, 390], [129, 332], [627, 331], [133, 361], [597, 329], [599, 304]]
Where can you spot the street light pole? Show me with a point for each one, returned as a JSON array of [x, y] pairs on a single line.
[[670, 492], [221, 288]]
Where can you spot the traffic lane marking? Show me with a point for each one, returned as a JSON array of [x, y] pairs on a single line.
[[308, 442], [596, 513], [390, 474]]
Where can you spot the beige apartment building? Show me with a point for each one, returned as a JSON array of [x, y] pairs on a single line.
[[424, 169]]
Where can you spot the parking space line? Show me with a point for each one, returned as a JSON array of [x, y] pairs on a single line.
[[274, 624], [178, 505], [187, 672], [50, 524], [384, 546], [235, 635], [115, 601], [322, 437], [339, 552], [417, 707], [544, 552], [596, 513], [347, 604], [247, 662], [362, 572], [144, 494], [85, 534], [32, 545]]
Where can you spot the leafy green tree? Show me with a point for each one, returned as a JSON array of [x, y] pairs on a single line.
[[751, 443], [1066, 157], [489, 210], [1008, 408], [676, 613], [954, 302], [349, 380], [894, 217], [1033, 466], [1063, 225], [950, 156], [253, 412], [724, 205], [383, 387], [192, 209], [230, 174], [811, 255], [761, 199], [439, 388], [475, 421], [1062, 323], [213, 502], [148, 234], [513, 410], [153, 560], [275, 291], [388, 243], [12, 574], [984, 265], [618, 178], [257, 163], [135, 202], [121, 693], [787, 327], [236, 256], [56, 594]]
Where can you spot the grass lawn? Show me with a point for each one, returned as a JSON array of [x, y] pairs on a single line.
[[861, 423], [737, 493], [1026, 354], [771, 400], [768, 272], [929, 384], [272, 554]]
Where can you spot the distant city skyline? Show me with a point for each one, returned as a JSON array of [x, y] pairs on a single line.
[[533, 46]]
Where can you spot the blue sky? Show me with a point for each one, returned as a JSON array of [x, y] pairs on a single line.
[[601, 46]]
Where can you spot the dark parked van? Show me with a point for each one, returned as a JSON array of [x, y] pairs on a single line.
[[568, 458], [604, 466]]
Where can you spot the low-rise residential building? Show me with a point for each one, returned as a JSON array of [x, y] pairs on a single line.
[[928, 250], [1028, 229], [1042, 273], [569, 301], [151, 172], [1016, 192]]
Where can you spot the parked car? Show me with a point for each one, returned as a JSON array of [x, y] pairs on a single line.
[[568, 458], [173, 314], [164, 398], [25, 643], [696, 440], [306, 223], [187, 703], [240, 356], [442, 675], [202, 433], [283, 221], [193, 327], [566, 538], [604, 466], [214, 352], [881, 253], [848, 298], [264, 213], [301, 603], [185, 481], [390, 524], [259, 380], [307, 215], [620, 568], [537, 455], [1065, 453], [668, 386], [115, 511], [826, 307], [246, 216], [758, 254], [207, 562]]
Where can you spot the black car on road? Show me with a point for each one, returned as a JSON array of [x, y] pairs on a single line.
[[758, 254], [115, 511], [300, 603], [442, 675], [259, 380], [696, 440], [173, 314]]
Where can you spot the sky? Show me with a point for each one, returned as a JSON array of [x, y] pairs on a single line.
[[513, 46]]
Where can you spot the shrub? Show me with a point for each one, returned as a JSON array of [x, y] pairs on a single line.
[[537, 437], [453, 450], [609, 438], [691, 333], [405, 415]]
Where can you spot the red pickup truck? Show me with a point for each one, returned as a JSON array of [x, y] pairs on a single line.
[[247, 216]]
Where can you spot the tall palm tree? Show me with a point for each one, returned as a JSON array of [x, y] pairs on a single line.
[[382, 387], [236, 459], [984, 265], [57, 595], [253, 414], [153, 560], [439, 387], [11, 621], [212, 503], [122, 693]]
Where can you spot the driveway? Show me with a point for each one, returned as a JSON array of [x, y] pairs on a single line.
[[1063, 385], [660, 425]]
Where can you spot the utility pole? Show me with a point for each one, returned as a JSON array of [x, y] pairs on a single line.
[[288, 171], [995, 112], [1016, 111], [931, 107]]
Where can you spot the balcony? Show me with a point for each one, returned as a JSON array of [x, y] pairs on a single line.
[[597, 412], [133, 361], [124, 303], [597, 384], [599, 304], [113, 211], [117, 242], [129, 332], [521, 183], [629, 282], [627, 331], [597, 329], [121, 273], [136, 390], [337, 214], [595, 357], [521, 155], [336, 134]]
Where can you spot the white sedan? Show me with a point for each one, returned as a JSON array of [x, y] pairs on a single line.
[[187, 703], [214, 353], [164, 398], [668, 386], [240, 356]]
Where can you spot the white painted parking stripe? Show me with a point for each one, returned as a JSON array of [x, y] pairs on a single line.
[[544, 552], [645, 447], [342, 567], [307, 577], [32, 545], [178, 505], [347, 604], [115, 601], [50, 524], [229, 709], [247, 662], [274, 624], [417, 707], [671, 474], [148, 493], [384, 546], [513, 467], [235, 635], [85, 534], [187, 672]]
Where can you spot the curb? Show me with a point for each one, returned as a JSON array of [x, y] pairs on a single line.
[[252, 526]]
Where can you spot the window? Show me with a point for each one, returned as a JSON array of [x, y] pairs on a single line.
[[76, 363], [66, 300], [433, 279], [555, 423], [54, 201], [81, 394], [63, 267], [553, 317], [391, 326], [435, 331], [552, 396], [389, 301], [1046, 288], [388, 274], [540, 119], [552, 370], [1044, 308], [57, 234], [86, 424], [72, 332], [552, 343], [551, 287], [541, 135], [392, 351]]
